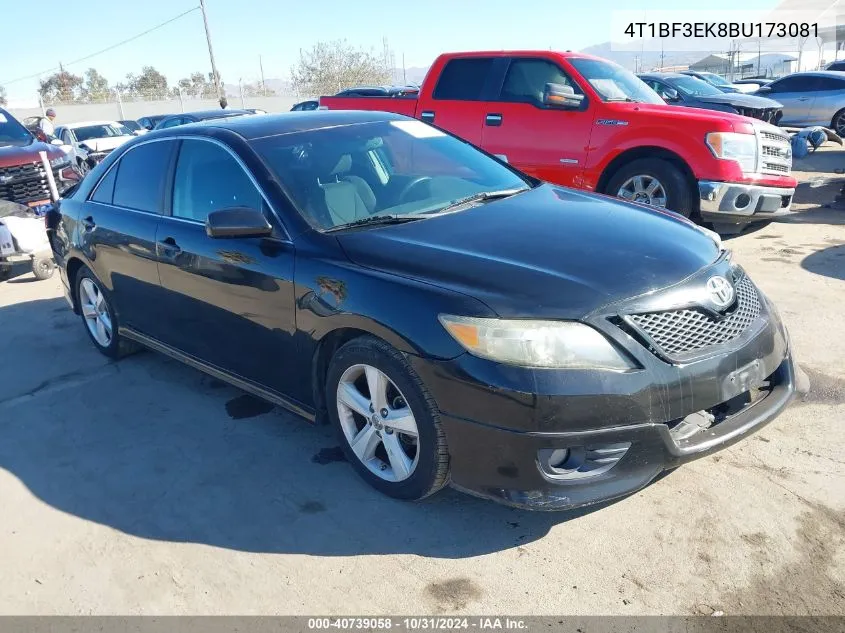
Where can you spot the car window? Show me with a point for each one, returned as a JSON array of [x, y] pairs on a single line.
[[463, 79], [837, 66], [172, 122], [208, 178], [614, 83], [796, 83], [422, 170], [140, 177], [12, 132], [105, 189], [526, 81], [694, 87], [830, 83], [659, 87]]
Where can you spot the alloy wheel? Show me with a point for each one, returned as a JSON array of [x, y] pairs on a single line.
[[378, 423], [644, 189], [95, 310], [839, 124]]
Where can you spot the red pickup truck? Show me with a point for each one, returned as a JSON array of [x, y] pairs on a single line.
[[585, 122]]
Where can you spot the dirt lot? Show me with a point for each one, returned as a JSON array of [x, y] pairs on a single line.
[[146, 487]]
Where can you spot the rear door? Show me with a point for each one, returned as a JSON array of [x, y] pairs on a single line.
[[796, 93], [230, 302], [118, 226], [456, 104], [829, 99], [550, 144]]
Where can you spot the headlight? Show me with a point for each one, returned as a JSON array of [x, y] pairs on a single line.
[[536, 343], [741, 148], [60, 162]]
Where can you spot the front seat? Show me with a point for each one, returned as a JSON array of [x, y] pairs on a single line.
[[342, 199], [342, 169]]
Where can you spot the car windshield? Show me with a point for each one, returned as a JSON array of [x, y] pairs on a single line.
[[12, 132], [694, 87], [715, 79], [614, 83], [104, 130], [345, 174], [132, 125]]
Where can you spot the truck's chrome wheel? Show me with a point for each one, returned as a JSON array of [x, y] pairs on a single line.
[[643, 189], [96, 312], [377, 422]]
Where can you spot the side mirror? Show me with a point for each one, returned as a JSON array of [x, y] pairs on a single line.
[[237, 222], [670, 95], [57, 141], [561, 96], [764, 89]]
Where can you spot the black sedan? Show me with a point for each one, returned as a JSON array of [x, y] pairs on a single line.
[[195, 117], [684, 90], [453, 319]]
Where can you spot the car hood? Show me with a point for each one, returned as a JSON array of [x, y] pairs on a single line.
[[741, 100], [105, 144], [15, 154], [546, 253]]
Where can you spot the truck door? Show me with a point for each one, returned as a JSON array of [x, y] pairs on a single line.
[[550, 144], [456, 102]]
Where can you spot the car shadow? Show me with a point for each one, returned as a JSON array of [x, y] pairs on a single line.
[[21, 272], [828, 262], [157, 450]]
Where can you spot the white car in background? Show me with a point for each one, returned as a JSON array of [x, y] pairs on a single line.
[[93, 140]]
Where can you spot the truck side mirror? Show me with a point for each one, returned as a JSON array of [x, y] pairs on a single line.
[[561, 96]]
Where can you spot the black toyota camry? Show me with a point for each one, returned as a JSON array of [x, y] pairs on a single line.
[[455, 320]]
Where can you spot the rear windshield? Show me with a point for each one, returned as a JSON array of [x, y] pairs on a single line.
[[12, 132]]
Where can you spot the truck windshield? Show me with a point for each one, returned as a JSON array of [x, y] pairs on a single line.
[[694, 87], [341, 175], [614, 83], [12, 132]]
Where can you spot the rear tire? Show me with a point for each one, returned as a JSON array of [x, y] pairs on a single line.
[[98, 316], [837, 123], [409, 461], [43, 268], [626, 182]]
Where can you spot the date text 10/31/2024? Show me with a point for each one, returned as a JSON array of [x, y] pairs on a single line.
[[418, 623]]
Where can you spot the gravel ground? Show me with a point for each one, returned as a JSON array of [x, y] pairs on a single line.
[[145, 487]]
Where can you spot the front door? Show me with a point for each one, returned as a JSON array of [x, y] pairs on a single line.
[[796, 93], [230, 302], [118, 225], [549, 144]]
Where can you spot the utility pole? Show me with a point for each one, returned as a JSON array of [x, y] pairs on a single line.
[[214, 72], [404, 76], [181, 103], [241, 88], [263, 85], [119, 103]]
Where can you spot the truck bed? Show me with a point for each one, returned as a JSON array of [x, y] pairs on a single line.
[[397, 105]]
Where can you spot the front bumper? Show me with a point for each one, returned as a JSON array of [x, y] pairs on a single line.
[[741, 203], [502, 422]]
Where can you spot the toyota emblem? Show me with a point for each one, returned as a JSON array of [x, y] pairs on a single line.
[[721, 291]]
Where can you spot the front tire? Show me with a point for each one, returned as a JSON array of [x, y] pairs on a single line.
[[387, 422], [98, 316], [838, 122], [654, 182]]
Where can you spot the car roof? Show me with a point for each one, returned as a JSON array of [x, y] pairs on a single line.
[[258, 126], [210, 114], [662, 75], [838, 74], [73, 126]]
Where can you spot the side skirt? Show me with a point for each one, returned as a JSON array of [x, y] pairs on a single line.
[[248, 386]]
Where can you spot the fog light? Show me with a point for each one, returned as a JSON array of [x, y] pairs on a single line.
[[581, 462], [557, 457], [742, 201]]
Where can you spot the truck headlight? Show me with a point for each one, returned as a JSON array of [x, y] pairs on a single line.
[[740, 148], [552, 344], [60, 162]]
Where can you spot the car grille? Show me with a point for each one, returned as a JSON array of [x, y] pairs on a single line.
[[679, 332], [764, 114], [775, 152], [24, 183]]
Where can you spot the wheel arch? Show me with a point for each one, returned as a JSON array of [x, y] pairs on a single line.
[[72, 267], [646, 151]]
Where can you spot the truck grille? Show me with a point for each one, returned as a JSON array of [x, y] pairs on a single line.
[[775, 152], [680, 332], [24, 183]]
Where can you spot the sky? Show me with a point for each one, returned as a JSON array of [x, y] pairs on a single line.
[[276, 30]]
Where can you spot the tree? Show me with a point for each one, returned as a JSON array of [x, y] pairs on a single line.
[[150, 84], [60, 87], [197, 86], [3, 100], [332, 66], [96, 87]]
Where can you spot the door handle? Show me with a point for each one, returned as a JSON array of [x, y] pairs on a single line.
[[803, 98], [493, 119], [427, 116], [88, 223], [168, 248]]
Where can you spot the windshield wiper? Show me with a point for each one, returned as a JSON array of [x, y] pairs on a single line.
[[482, 196], [375, 220]]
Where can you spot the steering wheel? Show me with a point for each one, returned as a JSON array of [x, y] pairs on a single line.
[[415, 182]]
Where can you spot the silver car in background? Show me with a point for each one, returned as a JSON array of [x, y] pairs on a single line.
[[810, 98]]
